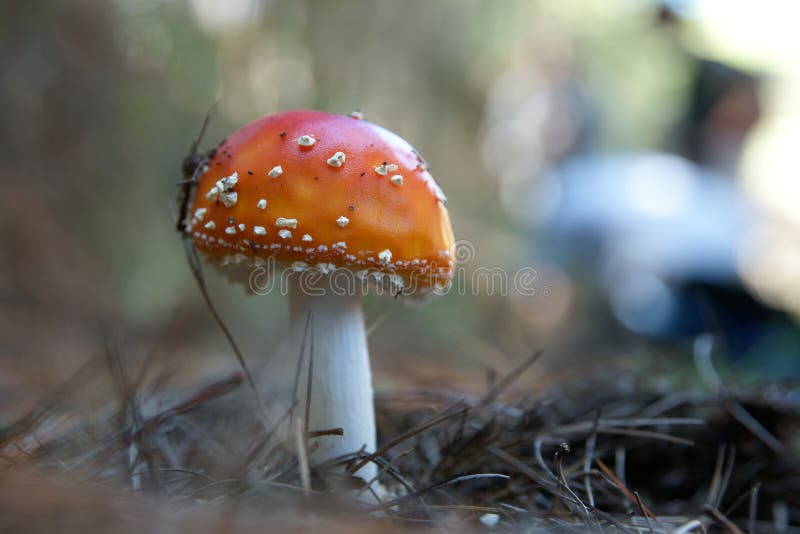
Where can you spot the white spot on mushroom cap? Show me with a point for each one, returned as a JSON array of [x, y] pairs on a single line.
[[323, 248], [262, 204], [199, 213], [385, 256], [396, 180], [241, 227], [337, 160], [307, 237], [229, 199], [306, 140], [326, 268], [276, 171], [227, 183], [213, 193], [385, 168], [259, 230], [284, 233], [342, 221], [230, 230], [299, 266], [356, 114], [341, 245], [210, 225], [282, 222]]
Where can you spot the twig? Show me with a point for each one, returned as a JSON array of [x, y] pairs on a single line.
[[622, 489], [548, 485], [383, 469], [717, 516], [129, 407], [192, 165], [688, 527], [508, 379], [206, 394], [584, 426], [24, 424], [522, 468], [197, 271], [561, 452], [447, 413], [726, 476], [537, 451], [638, 433], [302, 455], [254, 454], [439, 485], [753, 508], [642, 509], [591, 441], [338, 431], [757, 429]]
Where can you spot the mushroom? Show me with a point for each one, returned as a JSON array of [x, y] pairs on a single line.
[[338, 220]]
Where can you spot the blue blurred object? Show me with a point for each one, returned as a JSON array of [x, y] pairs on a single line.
[[654, 212], [662, 236]]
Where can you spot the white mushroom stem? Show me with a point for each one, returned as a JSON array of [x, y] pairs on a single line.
[[341, 382]]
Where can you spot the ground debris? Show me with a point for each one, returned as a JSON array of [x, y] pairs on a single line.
[[588, 455]]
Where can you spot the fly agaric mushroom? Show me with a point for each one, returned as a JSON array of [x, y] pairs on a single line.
[[335, 195]]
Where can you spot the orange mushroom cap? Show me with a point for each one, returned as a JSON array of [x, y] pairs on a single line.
[[315, 189]]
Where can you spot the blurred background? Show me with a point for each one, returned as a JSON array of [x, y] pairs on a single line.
[[640, 156]]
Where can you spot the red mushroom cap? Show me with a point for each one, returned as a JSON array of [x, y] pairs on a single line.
[[315, 189]]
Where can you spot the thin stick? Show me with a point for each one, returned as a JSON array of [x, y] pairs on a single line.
[[452, 410], [562, 451], [302, 455], [622, 489], [591, 441], [192, 164], [499, 386], [726, 523], [338, 431], [640, 434], [642, 509], [383, 470], [197, 271], [522, 468], [751, 423], [753, 511], [716, 476], [688, 527], [439, 485], [537, 451]]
